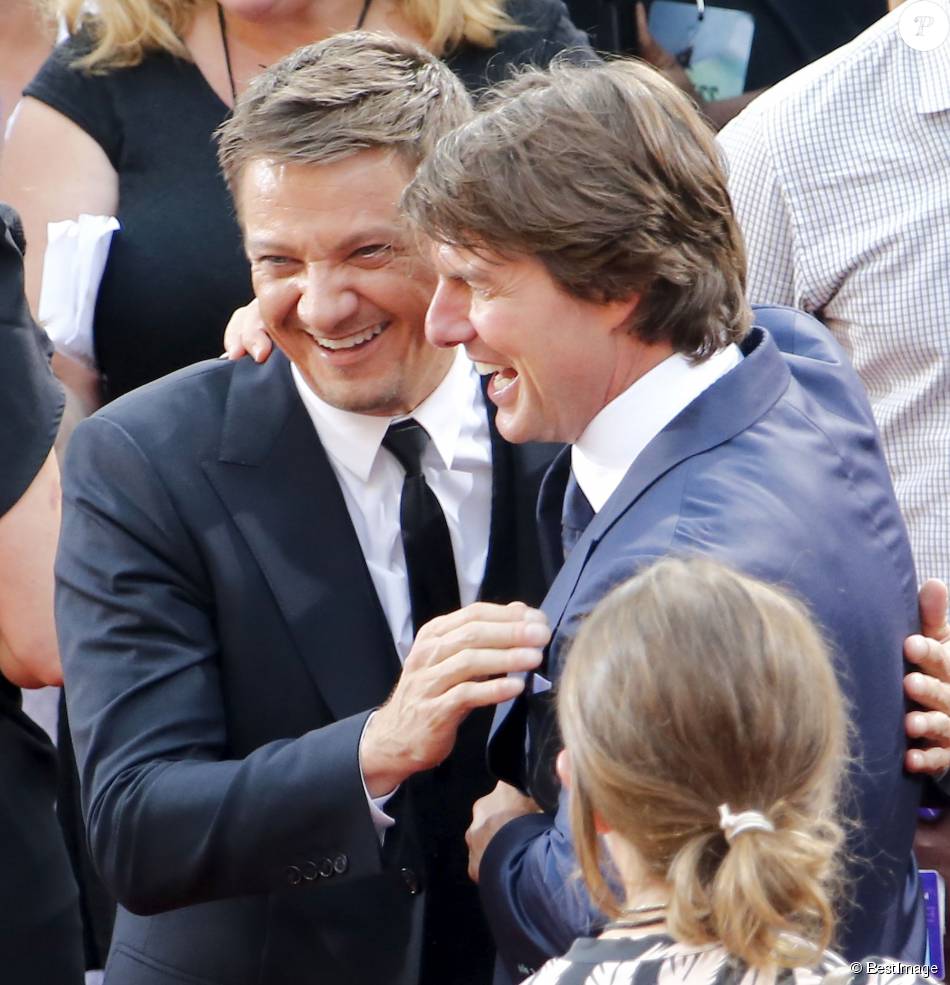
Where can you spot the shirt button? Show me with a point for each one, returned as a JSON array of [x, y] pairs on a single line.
[[340, 864], [412, 881], [293, 874]]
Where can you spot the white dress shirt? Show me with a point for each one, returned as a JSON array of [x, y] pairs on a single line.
[[840, 177], [610, 444], [457, 465]]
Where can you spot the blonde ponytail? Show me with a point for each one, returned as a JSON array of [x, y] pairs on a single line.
[[690, 687]]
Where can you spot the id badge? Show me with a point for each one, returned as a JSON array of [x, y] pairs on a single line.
[[714, 50]]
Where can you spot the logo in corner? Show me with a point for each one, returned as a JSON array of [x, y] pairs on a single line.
[[924, 24]]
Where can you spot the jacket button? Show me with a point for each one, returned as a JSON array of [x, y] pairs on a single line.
[[412, 881], [340, 864], [309, 871], [293, 874], [326, 868]]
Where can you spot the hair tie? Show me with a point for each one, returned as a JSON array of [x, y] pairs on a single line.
[[735, 824]]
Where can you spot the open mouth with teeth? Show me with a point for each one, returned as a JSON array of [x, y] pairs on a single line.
[[502, 377], [355, 341]]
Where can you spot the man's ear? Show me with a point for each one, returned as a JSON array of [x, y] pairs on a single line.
[[620, 313], [563, 767], [565, 775]]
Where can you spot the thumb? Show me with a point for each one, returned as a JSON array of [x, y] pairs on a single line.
[[933, 610]]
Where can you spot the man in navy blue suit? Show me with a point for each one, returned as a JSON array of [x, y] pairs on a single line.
[[278, 725], [590, 263]]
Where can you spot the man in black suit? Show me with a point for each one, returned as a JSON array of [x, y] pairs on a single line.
[[233, 570]]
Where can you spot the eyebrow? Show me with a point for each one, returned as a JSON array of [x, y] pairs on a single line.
[[373, 234], [263, 244], [458, 267]]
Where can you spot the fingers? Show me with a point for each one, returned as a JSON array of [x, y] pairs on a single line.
[[482, 664], [930, 657], [933, 610], [246, 334], [482, 694], [233, 346], [933, 728], [481, 612], [933, 761], [483, 626]]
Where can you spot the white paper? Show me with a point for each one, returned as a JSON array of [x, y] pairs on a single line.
[[76, 254]]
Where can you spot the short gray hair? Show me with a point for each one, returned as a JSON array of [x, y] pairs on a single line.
[[352, 92]]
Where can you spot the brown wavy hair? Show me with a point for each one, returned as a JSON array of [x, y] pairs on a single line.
[[688, 687], [124, 31], [610, 177]]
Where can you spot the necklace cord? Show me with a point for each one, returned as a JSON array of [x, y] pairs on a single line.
[[223, 27]]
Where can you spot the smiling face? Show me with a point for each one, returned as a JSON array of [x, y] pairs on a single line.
[[341, 289], [555, 360]]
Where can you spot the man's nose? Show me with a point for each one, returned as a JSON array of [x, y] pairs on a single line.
[[447, 321], [325, 299]]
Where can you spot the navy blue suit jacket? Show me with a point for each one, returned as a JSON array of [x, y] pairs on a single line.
[[223, 644], [777, 471]]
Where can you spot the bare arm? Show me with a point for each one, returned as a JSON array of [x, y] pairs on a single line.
[[51, 169], [28, 531]]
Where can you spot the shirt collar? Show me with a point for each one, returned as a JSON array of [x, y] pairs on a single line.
[[353, 440], [612, 441]]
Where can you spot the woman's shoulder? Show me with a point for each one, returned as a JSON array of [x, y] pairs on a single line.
[[117, 106], [650, 959], [661, 959]]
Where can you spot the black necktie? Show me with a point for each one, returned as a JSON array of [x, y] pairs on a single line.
[[575, 516], [458, 945], [430, 563]]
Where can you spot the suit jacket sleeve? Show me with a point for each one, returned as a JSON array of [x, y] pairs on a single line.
[[532, 895], [172, 817]]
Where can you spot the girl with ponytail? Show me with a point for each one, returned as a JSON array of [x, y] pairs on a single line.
[[705, 746]]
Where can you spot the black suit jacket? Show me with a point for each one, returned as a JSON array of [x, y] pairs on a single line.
[[223, 645]]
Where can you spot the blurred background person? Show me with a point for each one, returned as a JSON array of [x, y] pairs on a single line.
[[25, 40], [723, 53], [838, 179], [706, 752], [40, 933]]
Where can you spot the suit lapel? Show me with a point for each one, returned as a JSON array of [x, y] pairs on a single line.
[[728, 407], [498, 567], [549, 513], [279, 488], [512, 568]]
